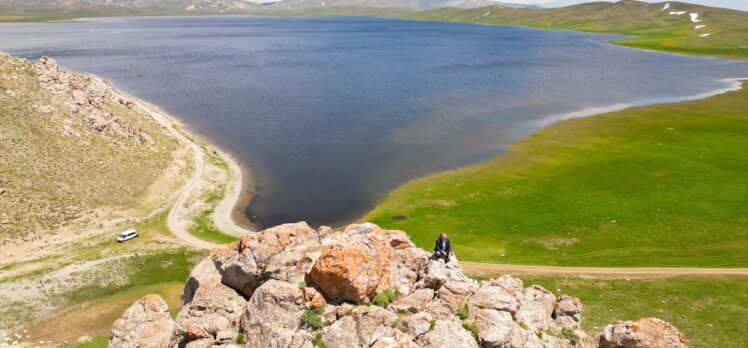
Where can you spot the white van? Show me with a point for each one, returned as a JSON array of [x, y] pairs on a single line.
[[127, 235]]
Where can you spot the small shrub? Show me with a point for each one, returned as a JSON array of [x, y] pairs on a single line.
[[432, 324], [523, 325], [401, 311], [317, 341], [472, 328], [539, 334], [312, 318], [384, 298], [570, 335], [302, 285], [240, 338], [463, 312], [366, 303]]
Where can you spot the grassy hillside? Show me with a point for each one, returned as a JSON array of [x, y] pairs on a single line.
[[652, 28], [661, 185], [65, 164]]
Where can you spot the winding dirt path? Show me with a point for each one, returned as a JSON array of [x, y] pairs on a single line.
[[222, 217], [223, 220]]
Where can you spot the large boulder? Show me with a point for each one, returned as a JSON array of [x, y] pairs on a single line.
[[145, 324], [292, 265], [434, 275], [447, 333], [373, 323], [214, 313], [568, 312], [494, 295], [537, 307], [494, 327], [273, 315], [643, 333], [204, 271], [354, 268], [417, 324], [363, 327], [242, 264], [450, 298], [411, 261], [415, 302], [341, 333]]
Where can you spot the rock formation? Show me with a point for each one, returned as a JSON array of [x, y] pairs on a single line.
[[293, 286], [647, 332], [145, 324], [88, 95]]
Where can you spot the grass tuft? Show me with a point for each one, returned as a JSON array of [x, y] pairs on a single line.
[[463, 312], [384, 298], [569, 335], [318, 342], [311, 317]]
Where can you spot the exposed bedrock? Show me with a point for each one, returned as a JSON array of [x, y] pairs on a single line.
[[294, 286]]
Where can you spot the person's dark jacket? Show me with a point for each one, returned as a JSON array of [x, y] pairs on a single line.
[[448, 246]]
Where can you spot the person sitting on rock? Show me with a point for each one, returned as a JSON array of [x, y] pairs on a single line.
[[443, 248]]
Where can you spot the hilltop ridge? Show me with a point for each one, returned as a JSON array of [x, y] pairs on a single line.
[[293, 286]]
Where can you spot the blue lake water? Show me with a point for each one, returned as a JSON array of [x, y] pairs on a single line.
[[332, 113]]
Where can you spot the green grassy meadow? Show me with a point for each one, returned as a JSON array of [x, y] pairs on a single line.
[[203, 226], [662, 185]]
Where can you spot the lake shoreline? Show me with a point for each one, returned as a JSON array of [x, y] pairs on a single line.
[[293, 175], [231, 219], [736, 84]]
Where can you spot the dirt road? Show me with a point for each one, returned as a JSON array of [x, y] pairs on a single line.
[[475, 268], [223, 220]]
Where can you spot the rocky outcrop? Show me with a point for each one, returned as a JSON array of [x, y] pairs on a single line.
[[447, 333], [647, 332], [145, 324], [293, 286], [355, 267], [214, 313], [205, 271], [272, 316], [284, 252], [88, 95]]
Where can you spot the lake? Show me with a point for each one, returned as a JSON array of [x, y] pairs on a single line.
[[332, 113]]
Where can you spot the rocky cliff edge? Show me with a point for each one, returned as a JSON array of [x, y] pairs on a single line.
[[293, 286]]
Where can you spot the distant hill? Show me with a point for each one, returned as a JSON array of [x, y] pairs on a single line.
[[714, 31], [399, 4], [135, 5], [36, 10], [45, 10], [665, 26]]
